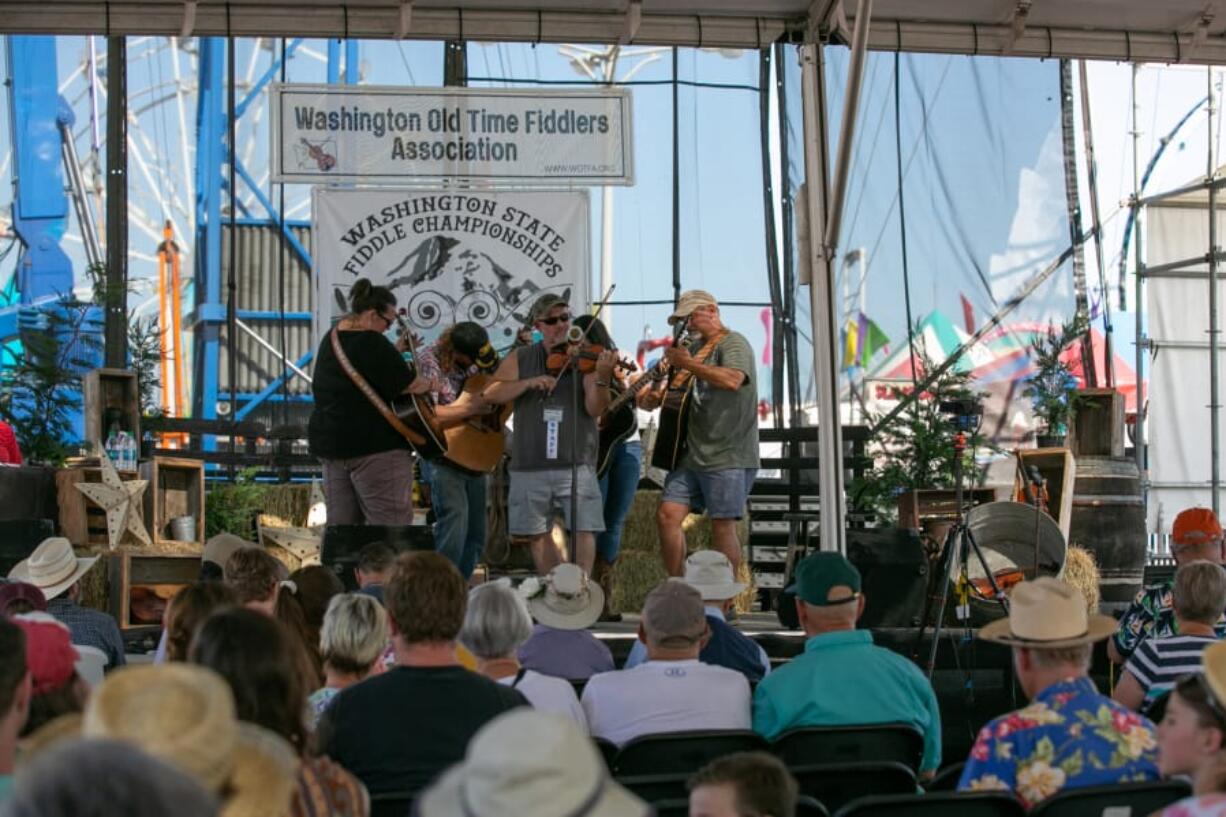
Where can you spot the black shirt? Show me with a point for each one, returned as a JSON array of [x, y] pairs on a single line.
[[398, 731], [344, 424]]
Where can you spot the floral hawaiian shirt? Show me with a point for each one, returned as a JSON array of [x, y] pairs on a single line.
[[1069, 737], [1152, 615]]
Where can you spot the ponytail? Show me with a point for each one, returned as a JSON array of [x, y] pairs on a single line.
[[364, 295]]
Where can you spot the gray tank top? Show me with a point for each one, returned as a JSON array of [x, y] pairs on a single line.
[[531, 444]]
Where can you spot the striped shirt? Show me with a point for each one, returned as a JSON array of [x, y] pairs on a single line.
[[1157, 663]]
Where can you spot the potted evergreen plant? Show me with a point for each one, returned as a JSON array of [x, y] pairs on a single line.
[[1053, 383]]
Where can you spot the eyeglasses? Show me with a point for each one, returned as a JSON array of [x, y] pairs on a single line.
[[556, 319]]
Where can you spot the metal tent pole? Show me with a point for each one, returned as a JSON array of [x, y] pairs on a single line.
[[1138, 305], [1214, 406]]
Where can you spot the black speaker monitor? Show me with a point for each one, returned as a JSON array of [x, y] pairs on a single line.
[[342, 544]]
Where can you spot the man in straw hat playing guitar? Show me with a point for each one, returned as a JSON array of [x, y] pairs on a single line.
[[1071, 736], [720, 457]]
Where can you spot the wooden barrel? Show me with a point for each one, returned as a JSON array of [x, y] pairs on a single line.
[[1108, 520]]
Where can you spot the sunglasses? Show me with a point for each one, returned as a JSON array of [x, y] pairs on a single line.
[[556, 320]]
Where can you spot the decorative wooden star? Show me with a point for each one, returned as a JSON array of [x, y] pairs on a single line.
[[121, 500]]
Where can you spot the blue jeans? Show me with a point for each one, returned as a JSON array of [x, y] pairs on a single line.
[[617, 489], [459, 514]]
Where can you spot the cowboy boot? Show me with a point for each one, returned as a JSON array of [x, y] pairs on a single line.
[[602, 574]]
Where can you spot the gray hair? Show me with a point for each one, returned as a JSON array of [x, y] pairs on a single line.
[[1078, 656], [354, 634], [1200, 591], [496, 622], [97, 778]]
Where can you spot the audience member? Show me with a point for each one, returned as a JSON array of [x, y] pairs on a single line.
[[188, 610], [55, 570], [564, 604], [21, 597], [217, 551], [1192, 735], [352, 641], [1198, 598], [56, 688], [15, 692], [255, 576], [842, 678], [496, 624], [399, 730], [743, 783], [101, 778], [184, 714], [255, 655], [1070, 736], [673, 691], [710, 572], [1196, 535], [302, 609], [375, 563], [530, 763]]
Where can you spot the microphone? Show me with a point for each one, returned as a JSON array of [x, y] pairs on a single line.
[[574, 334], [1035, 477]]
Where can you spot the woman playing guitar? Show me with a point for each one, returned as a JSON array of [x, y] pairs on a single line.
[[368, 468]]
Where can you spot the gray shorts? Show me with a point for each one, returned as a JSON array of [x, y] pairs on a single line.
[[721, 494], [536, 497]]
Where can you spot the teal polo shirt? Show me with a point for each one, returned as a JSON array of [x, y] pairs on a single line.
[[843, 679]]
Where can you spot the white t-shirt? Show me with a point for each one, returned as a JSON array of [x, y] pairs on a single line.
[[549, 694], [665, 696]]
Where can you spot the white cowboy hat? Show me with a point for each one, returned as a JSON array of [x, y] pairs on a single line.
[[710, 573], [52, 567], [1046, 613], [561, 775], [568, 599]]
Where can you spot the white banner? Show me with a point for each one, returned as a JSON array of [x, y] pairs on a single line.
[[324, 134], [451, 256]]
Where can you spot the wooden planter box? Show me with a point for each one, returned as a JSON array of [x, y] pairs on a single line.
[[1098, 426], [176, 488], [81, 521], [1058, 467], [141, 586], [937, 504], [110, 390]]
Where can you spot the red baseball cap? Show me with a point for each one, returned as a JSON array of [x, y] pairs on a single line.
[[1196, 526], [50, 655], [21, 591]]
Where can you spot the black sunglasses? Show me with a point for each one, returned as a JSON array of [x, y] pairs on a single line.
[[556, 320]]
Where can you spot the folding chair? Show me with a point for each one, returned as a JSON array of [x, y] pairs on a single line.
[[805, 807], [808, 745], [837, 784], [683, 752], [1119, 800], [936, 804]]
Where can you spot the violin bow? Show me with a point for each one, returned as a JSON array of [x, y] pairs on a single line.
[[583, 334]]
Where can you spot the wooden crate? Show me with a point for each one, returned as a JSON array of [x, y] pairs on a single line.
[[106, 391], [176, 488], [81, 521], [142, 583], [1098, 425], [937, 504], [1058, 467]]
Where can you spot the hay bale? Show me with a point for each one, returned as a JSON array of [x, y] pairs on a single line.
[[639, 531], [285, 506], [1081, 571], [634, 576]]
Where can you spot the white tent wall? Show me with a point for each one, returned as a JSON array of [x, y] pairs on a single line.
[[1178, 327]]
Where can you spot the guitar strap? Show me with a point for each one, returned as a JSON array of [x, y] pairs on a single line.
[[373, 396], [681, 379]]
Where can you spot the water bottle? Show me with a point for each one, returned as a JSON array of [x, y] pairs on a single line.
[[129, 451], [111, 447]]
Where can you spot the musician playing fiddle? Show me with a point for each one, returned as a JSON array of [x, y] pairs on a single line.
[[368, 467], [721, 457], [546, 428], [457, 496]]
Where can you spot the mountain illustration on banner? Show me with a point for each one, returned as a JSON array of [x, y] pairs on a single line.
[[862, 339]]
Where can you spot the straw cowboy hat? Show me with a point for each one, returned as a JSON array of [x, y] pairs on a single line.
[[52, 567], [1046, 613], [568, 600], [1213, 663], [184, 714], [562, 776], [710, 573]]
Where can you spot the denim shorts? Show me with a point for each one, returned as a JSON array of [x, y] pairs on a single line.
[[535, 497], [721, 494]]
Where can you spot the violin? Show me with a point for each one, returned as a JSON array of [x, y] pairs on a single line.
[[584, 355]]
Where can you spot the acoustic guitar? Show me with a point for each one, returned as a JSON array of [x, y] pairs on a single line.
[[618, 421], [671, 436], [476, 445]]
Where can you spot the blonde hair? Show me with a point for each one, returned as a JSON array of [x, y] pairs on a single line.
[[1199, 593], [354, 634]]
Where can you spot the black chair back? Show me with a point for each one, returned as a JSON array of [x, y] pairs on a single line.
[[391, 804], [1139, 798], [683, 752], [608, 751], [936, 804], [805, 807], [837, 784], [947, 778], [810, 745], [657, 788]]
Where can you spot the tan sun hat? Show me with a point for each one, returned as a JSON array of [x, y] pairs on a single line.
[[218, 549], [568, 600], [1046, 613], [562, 775], [52, 567], [1213, 663], [690, 300], [184, 714], [710, 572]]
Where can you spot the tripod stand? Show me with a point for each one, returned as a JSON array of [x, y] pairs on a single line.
[[956, 551]]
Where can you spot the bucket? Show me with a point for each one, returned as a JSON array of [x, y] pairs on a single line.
[[183, 529], [1108, 520]]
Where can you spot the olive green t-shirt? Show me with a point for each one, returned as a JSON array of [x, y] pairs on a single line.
[[723, 429]]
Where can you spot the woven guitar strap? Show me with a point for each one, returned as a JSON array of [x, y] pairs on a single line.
[[683, 376], [373, 396]]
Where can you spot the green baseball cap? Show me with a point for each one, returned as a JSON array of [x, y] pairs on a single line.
[[823, 572]]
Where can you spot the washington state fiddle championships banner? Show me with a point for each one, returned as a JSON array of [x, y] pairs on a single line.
[[381, 135], [451, 255]]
